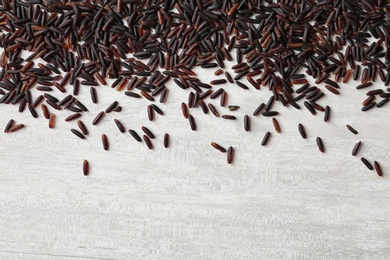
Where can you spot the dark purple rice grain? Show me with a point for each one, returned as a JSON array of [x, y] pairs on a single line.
[[269, 103], [150, 113], [327, 114], [223, 99], [218, 82], [148, 132], [94, 97], [332, 89], [32, 111], [266, 138], [320, 144], [72, 117], [233, 108], [203, 106], [43, 88], [146, 95], [148, 142], [241, 85], [350, 128], [80, 105], [99, 117], [77, 133], [85, 167], [120, 126], [50, 98], [157, 109], [82, 127], [229, 77], [270, 113], [52, 120], [105, 142], [378, 168], [53, 105], [356, 73], [218, 72], [45, 111], [213, 110], [9, 125], [191, 98], [302, 131], [217, 93], [37, 101], [356, 148], [191, 119], [16, 128], [230, 155], [218, 147], [259, 109], [166, 140], [230, 117], [184, 110], [367, 163], [318, 107], [331, 83], [247, 123], [364, 85], [302, 89], [382, 102], [111, 107], [135, 135], [368, 106], [276, 125], [132, 94]]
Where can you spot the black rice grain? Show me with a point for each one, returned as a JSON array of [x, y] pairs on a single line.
[[94, 97], [265, 138], [350, 128], [135, 135], [166, 140], [52, 120], [276, 125], [98, 118], [120, 126], [191, 119], [184, 110], [247, 123], [72, 117], [356, 148], [327, 114], [111, 107], [378, 168], [16, 128], [230, 155], [82, 127], [148, 132], [218, 147], [320, 144], [77, 133], [367, 163], [148, 142], [150, 113], [9, 125], [302, 131], [105, 142], [86, 167]]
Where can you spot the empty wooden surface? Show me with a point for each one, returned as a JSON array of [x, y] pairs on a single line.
[[285, 200]]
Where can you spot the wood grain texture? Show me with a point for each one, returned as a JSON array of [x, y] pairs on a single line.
[[282, 201]]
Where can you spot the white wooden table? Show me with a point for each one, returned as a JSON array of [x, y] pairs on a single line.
[[282, 201]]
